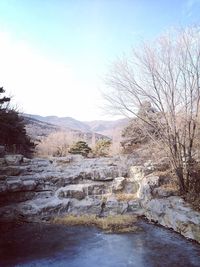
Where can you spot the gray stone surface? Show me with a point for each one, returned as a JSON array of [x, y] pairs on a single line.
[[15, 159], [118, 184], [39, 188]]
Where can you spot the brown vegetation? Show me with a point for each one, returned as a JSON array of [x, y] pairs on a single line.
[[115, 223], [102, 148], [56, 144]]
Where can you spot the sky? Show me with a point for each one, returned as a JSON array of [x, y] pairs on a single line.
[[54, 54]]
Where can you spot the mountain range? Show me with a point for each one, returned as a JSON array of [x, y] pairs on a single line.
[[107, 128]]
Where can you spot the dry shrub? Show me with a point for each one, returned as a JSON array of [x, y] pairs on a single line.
[[193, 196], [56, 144]]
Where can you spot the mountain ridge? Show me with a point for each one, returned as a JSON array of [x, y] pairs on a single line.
[[99, 126]]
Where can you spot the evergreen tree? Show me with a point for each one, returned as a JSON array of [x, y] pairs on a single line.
[[12, 129], [80, 147]]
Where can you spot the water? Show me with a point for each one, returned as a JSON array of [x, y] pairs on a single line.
[[60, 246]]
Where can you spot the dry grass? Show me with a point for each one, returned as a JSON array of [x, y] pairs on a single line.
[[193, 200], [170, 187], [110, 224], [125, 197]]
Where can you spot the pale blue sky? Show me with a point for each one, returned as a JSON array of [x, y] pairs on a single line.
[[60, 50]]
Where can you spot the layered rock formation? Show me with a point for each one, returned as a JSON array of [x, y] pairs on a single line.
[[161, 204], [39, 189]]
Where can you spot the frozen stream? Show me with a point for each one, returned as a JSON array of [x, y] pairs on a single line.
[[61, 246]]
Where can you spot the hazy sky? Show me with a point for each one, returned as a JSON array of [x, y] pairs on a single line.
[[55, 53]]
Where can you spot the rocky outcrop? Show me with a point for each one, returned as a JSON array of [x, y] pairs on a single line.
[[174, 213], [63, 185], [162, 205], [13, 159], [42, 188]]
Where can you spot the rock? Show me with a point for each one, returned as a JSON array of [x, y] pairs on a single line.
[[80, 191], [135, 207], [147, 186], [29, 185], [164, 192], [15, 159], [44, 206], [14, 184], [13, 197], [160, 206], [149, 167], [26, 160], [62, 160], [3, 187], [136, 173], [38, 162], [118, 184], [114, 207], [67, 159], [71, 191], [76, 158], [10, 170], [105, 174], [97, 189], [131, 187], [76, 185], [89, 205], [173, 212]]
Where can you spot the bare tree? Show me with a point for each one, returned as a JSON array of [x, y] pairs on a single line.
[[56, 144], [165, 74]]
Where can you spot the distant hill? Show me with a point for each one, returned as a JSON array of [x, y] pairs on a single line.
[[53, 135], [66, 122], [108, 128], [38, 129]]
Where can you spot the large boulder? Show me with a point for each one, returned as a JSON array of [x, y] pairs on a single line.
[[154, 186], [114, 207], [159, 205], [44, 206], [88, 205], [173, 212]]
